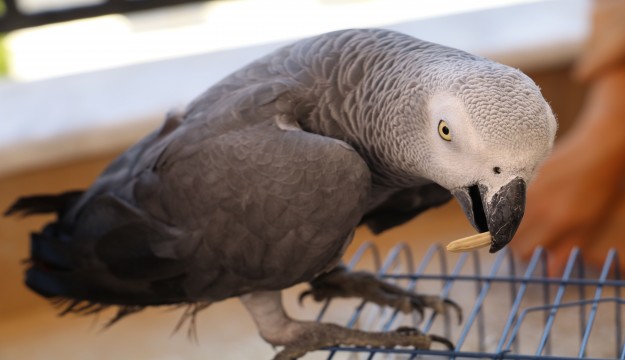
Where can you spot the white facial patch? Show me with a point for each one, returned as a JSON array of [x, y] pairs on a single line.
[[490, 150]]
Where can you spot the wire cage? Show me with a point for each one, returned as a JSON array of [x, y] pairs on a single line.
[[511, 311]]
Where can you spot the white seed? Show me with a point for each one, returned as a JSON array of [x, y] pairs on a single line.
[[469, 243]]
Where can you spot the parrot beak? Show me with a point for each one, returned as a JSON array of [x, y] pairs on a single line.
[[501, 216]]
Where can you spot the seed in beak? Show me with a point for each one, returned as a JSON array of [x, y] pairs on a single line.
[[471, 242]]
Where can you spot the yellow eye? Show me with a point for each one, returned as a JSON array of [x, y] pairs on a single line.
[[443, 130]]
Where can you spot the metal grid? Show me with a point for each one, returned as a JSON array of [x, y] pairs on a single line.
[[511, 311]]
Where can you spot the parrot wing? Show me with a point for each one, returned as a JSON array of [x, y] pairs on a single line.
[[254, 208]]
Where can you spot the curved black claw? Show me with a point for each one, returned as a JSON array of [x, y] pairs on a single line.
[[456, 307], [302, 296], [441, 340], [419, 307], [409, 330]]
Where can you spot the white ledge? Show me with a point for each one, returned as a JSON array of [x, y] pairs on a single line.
[[55, 120]]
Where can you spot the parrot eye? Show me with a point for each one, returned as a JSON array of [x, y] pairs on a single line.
[[443, 130]]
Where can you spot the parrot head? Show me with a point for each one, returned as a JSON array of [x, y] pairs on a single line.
[[489, 131]]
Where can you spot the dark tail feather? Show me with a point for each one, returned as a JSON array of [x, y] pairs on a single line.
[[55, 271], [56, 285], [49, 250], [44, 204]]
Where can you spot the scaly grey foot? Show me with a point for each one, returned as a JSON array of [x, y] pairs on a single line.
[[343, 283], [315, 336], [300, 337]]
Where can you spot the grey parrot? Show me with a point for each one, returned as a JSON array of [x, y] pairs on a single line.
[[261, 181]]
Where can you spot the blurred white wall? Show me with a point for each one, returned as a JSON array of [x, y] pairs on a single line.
[[118, 40]]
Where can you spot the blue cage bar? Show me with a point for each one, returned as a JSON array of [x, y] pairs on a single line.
[[511, 310]]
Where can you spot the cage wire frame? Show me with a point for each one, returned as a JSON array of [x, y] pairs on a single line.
[[399, 266]]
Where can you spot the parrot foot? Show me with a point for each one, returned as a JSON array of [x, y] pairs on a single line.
[[300, 337], [340, 282], [316, 336]]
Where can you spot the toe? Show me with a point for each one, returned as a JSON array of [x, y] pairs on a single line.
[[441, 305], [409, 330]]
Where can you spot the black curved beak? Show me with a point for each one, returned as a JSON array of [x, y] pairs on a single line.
[[501, 216]]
